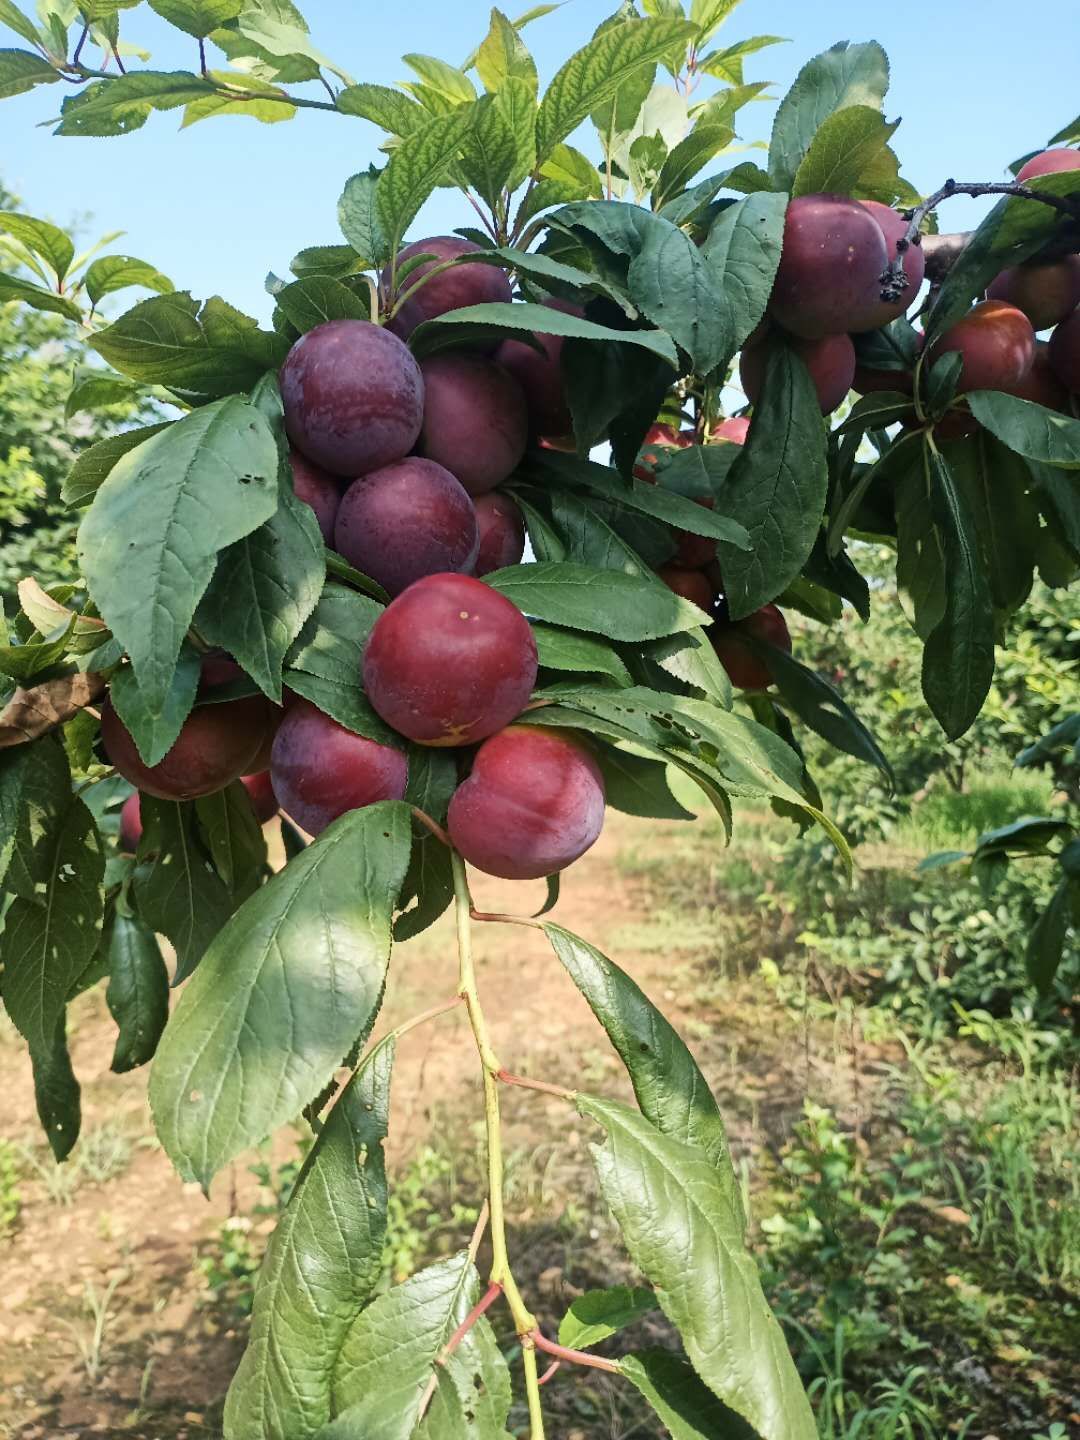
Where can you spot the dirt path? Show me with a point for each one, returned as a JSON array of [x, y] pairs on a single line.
[[129, 1230]]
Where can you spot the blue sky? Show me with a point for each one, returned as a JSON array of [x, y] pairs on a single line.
[[218, 205]]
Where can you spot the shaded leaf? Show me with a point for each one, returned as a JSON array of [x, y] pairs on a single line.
[[776, 486], [320, 1268], [178, 892], [138, 992]]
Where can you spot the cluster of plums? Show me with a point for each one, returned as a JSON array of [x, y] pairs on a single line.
[[828, 288], [693, 572], [400, 461]]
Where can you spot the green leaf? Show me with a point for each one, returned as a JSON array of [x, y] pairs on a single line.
[[263, 591], [490, 152], [44, 239], [994, 483], [599, 1314], [549, 466], [51, 934], [573, 171], [234, 838], [285, 990], [169, 340], [389, 1357], [358, 217], [118, 272], [844, 147], [682, 1230], [504, 56], [389, 109], [337, 261], [14, 19], [429, 881], [317, 298], [178, 892], [286, 39], [35, 792], [840, 77], [1059, 499], [1045, 436], [13, 287], [324, 664], [1029, 836], [456, 327], [958, 658], [321, 1266], [673, 1094], [638, 786], [154, 728], [671, 283], [687, 1408], [604, 602], [257, 100], [821, 706], [21, 70], [138, 992], [570, 650], [726, 64], [777, 486], [1047, 940], [416, 167], [95, 463], [685, 159], [446, 80], [122, 104], [516, 101], [743, 251], [595, 73], [23, 662], [149, 543], [56, 1092], [94, 388], [197, 17], [690, 657], [589, 540]]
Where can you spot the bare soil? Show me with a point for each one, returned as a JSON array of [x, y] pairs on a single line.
[[161, 1364]]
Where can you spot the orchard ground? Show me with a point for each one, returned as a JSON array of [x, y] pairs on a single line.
[[122, 1311]]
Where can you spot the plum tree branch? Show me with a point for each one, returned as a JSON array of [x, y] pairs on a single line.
[[501, 1275], [893, 280]]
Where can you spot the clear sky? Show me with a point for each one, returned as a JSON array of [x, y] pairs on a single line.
[[977, 82]]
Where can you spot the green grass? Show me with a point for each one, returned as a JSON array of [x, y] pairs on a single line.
[[953, 820]]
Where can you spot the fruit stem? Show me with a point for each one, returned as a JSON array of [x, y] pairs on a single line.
[[501, 1274], [575, 1357], [425, 1016], [542, 1085], [432, 825], [497, 918], [373, 299], [485, 1302]]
